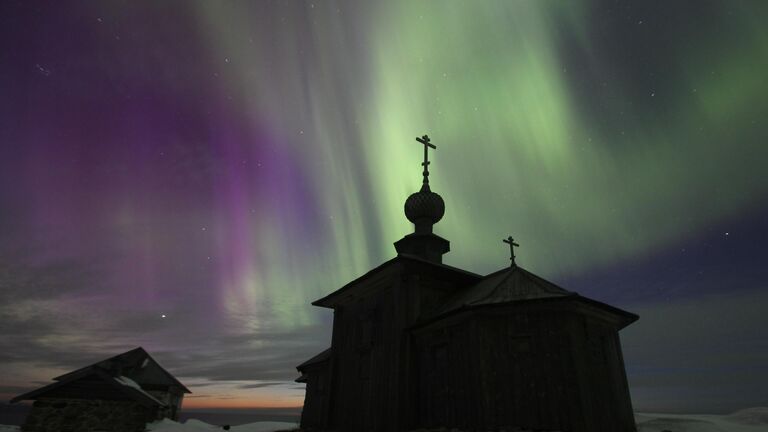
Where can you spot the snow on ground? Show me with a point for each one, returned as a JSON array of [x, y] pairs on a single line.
[[193, 425], [746, 420]]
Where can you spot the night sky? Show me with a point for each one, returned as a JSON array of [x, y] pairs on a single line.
[[188, 176]]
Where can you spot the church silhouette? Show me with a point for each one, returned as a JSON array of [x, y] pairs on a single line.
[[420, 344]]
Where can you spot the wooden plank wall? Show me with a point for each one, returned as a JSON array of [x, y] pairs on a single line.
[[505, 370], [601, 374], [365, 392]]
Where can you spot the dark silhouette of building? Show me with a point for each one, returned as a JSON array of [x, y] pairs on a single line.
[[420, 344], [119, 394]]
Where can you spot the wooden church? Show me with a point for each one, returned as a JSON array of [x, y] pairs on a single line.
[[420, 344]]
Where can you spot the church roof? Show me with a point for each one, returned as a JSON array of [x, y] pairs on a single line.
[[330, 300], [507, 285], [514, 285], [319, 358], [323, 356]]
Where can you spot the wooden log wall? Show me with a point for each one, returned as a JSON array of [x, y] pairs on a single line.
[[365, 369], [496, 369]]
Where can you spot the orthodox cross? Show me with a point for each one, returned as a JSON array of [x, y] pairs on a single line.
[[425, 140], [512, 245]]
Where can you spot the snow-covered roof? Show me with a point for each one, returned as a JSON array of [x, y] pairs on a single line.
[[121, 384], [133, 384], [138, 360]]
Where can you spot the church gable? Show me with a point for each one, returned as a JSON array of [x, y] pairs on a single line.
[[507, 285], [517, 285], [364, 286], [443, 277]]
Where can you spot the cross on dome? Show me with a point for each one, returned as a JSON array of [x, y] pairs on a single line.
[[424, 208], [512, 245], [425, 140]]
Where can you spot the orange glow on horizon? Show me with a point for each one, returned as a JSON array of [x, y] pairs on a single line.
[[213, 402]]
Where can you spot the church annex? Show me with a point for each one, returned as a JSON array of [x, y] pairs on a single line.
[[420, 344]]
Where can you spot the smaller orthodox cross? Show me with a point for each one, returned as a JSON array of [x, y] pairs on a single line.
[[425, 140], [512, 245]]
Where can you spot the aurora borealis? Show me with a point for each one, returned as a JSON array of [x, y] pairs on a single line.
[[189, 175]]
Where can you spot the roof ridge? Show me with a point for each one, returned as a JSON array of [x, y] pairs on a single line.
[[62, 376], [397, 259], [544, 283], [495, 287]]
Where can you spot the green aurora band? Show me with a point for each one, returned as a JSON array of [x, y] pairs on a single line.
[[516, 153]]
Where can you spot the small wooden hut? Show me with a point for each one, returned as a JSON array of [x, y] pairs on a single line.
[[119, 394]]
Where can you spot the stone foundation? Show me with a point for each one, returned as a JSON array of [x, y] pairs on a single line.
[[87, 415]]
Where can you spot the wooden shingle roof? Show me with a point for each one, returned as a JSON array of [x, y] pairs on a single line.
[[464, 276], [125, 374], [130, 363], [506, 285], [323, 356], [120, 385], [516, 285]]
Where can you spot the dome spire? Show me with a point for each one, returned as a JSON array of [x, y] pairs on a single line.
[[424, 209], [425, 140]]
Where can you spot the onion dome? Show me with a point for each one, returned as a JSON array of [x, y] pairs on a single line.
[[424, 208]]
